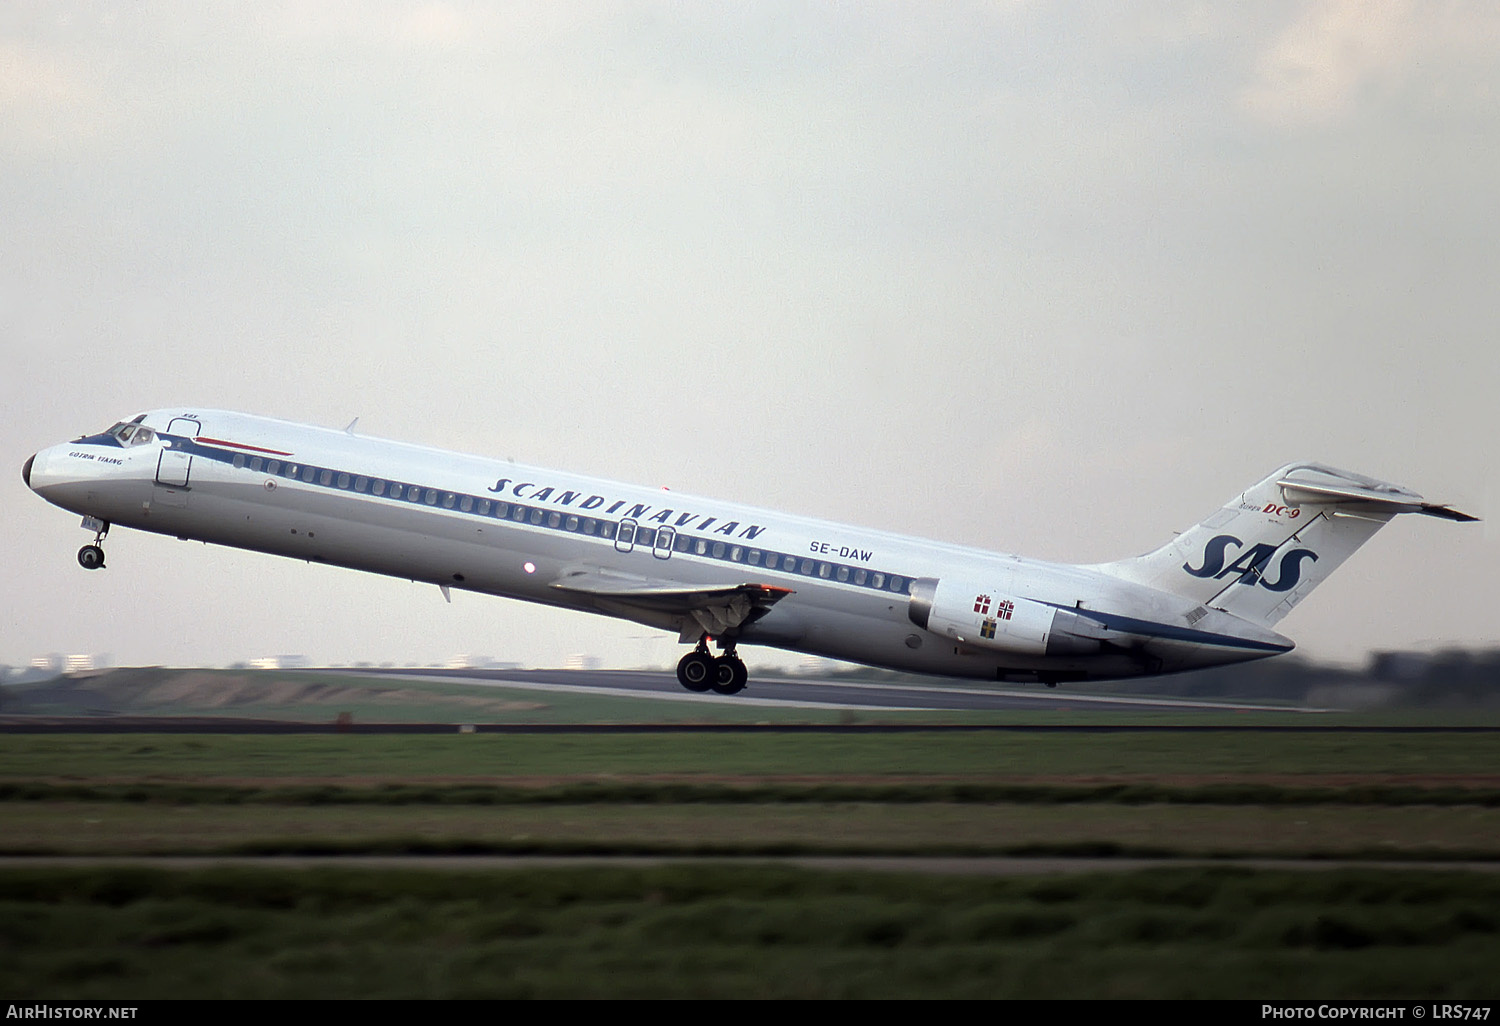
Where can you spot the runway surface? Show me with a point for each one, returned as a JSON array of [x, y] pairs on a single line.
[[822, 693], [786, 693]]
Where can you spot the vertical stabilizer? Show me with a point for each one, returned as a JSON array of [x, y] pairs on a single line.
[[1261, 554]]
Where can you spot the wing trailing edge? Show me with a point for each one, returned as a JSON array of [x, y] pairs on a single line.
[[714, 610]]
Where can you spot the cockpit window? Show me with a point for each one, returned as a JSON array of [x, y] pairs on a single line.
[[134, 433]]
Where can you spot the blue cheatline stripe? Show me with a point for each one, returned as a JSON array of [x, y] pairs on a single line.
[[548, 518], [1150, 628], [106, 440]]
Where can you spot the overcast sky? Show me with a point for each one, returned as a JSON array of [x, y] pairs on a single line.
[[1047, 278]]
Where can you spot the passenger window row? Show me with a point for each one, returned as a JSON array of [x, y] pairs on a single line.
[[557, 520]]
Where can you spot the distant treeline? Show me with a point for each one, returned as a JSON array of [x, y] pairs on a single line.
[[1447, 678], [1444, 678]]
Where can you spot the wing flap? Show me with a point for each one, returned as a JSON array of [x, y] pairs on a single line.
[[711, 609]]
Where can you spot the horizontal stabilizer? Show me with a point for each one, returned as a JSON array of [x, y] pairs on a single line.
[[1318, 487]]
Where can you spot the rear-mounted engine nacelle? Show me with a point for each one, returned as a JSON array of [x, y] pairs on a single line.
[[987, 618]]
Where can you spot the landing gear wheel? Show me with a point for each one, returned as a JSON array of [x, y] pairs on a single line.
[[696, 671], [91, 557], [730, 675]]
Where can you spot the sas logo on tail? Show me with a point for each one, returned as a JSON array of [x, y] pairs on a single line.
[[1251, 564]]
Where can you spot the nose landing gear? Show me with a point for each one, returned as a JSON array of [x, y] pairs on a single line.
[[91, 557]]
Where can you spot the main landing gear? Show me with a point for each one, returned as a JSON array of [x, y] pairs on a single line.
[[700, 671], [91, 557]]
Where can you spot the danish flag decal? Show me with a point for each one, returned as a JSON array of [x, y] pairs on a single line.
[[1251, 564], [1004, 610]]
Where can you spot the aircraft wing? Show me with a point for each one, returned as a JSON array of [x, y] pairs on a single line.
[[713, 609]]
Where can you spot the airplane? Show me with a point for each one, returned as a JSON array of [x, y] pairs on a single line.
[[720, 574]]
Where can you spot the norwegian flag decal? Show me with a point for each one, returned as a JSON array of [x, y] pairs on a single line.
[[1005, 609]]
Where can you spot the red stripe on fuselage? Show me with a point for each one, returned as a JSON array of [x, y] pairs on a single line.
[[240, 445]]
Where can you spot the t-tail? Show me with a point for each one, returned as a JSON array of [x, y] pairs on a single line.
[[1261, 554]]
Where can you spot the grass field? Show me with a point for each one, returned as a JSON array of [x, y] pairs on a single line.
[[710, 929], [808, 828], [1343, 758], [1393, 795]]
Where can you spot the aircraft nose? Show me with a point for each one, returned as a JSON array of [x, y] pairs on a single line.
[[26, 470]]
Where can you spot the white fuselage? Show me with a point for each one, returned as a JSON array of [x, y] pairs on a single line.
[[492, 526]]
